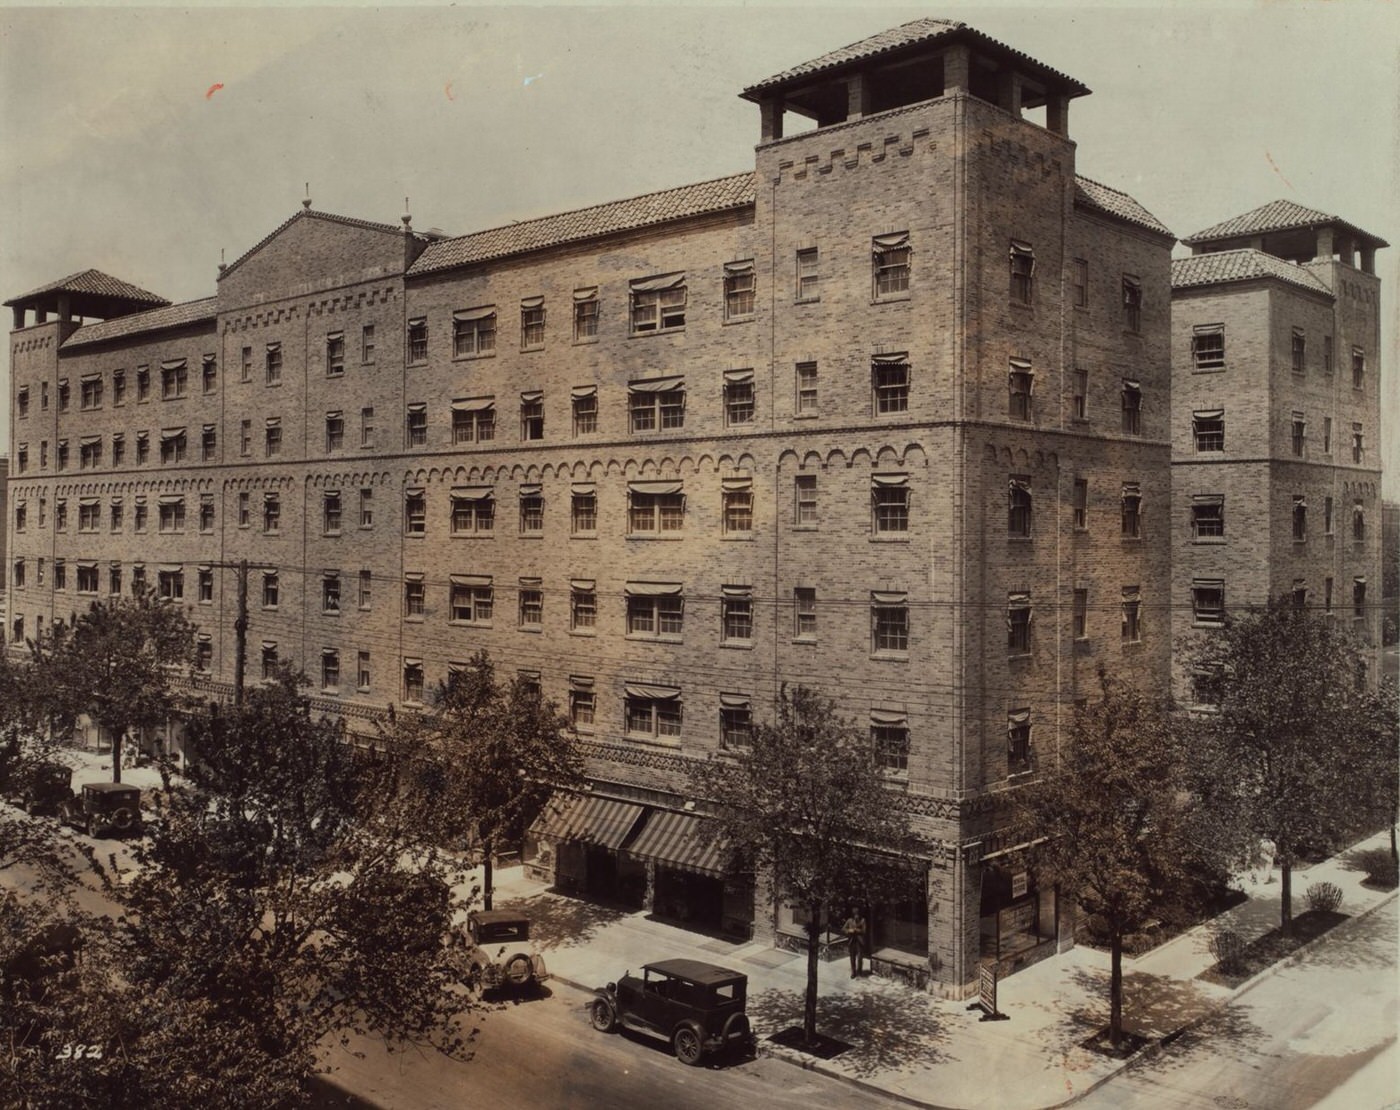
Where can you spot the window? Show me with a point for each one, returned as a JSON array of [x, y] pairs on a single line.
[[471, 599], [1208, 602], [653, 711], [173, 379], [889, 618], [415, 512], [138, 578], [474, 420], [89, 452], [22, 401], [273, 363], [1018, 523], [335, 430], [805, 498], [808, 275], [172, 513], [206, 585], [889, 736], [245, 439], [116, 515], [118, 387], [738, 397], [1300, 593], [209, 373], [270, 589], [272, 512], [1208, 346], [208, 443], [655, 507], [1299, 433], [366, 590], [44, 396], [738, 290], [890, 256], [206, 512], [172, 445], [1018, 623], [736, 495], [412, 680], [330, 591], [362, 670], [417, 341], [21, 515], [87, 578], [582, 703], [118, 448], [272, 436], [61, 455], [1358, 443], [1327, 355], [658, 303], [804, 610], [1018, 741], [1358, 598], [330, 512], [1020, 380], [366, 508], [1132, 615], [330, 669], [1208, 426], [60, 514], [416, 425], [413, 595], [367, 427], [1327, 597], [584, 401], [18, 635], [367, 343], [169, 583], [1299, 350], [1132, 408], [1080, 278], [1327, 516], [655, 609], [335, 354], [583, 508], [244, 512], [246, 365], [473, 510], [890, 501], [531, 510], [1132, 304], [806, 389], [63, 394], [1132, 511], [1358, 522], [1080, 401], [22, 458], [735, 721], [1081, 504], [656, 403], [60, 574], [583, 605], [890, 382], [531, 603], [19, 573], [1022, 272], [586, 314], [1326, 435], [89, 396], [1080, 616], [736, 614], [531, 416], [531, 323], [1358, 368]]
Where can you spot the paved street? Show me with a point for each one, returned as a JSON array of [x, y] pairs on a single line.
[[1327, 1022]]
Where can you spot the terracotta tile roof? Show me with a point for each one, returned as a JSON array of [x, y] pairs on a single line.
[[157, 319], [307, 214], [1113, 202], [588, 223], [897, 38], [93, 283], [1277, 215], [1246, 264]]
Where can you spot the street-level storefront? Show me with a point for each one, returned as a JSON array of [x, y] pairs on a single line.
[[576, 844], [1019, 919]]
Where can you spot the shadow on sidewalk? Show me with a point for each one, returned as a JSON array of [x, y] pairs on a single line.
[[1359, 944], [556, 920], [886, 1029]]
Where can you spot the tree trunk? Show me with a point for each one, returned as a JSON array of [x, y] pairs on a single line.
[[117, 738], [1285, 892], [1115, 988], [809, 1005], [1394, 854], [487, 875]]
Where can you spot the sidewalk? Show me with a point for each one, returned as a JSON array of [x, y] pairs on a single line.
[[926, 1050]]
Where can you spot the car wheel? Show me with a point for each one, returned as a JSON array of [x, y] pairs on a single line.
[[686, 1043], [92, 825], [123, 819], [602, 1015]]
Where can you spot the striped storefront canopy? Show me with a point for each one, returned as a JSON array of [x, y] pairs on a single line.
[[605, 822], [681, 841]]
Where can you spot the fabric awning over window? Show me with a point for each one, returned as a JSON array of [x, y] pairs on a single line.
[[1130, 384], [681, 841], [889, 480], [587, 585], [653, 589], [1132, 593], [605, 822], [532, 395], [169, 434], [88, 502], [1022, 485], [468, 314], [737, 269], [1207, 499], [474, 580], [1132, 489], [586, 293], [658, 283], [584, 489], [1208, 414], [734, 701], [888, 717], [530, 583], [736, 591], [898, 358], [1018, 600], [657, 385], [531, 489], [173, 364], [650, 692], [274, 346], [88, 441], [329, 336], [334, 414], [1018, 717], [270, 497], [470, 493], [473, 404], [657, 488], [889, 597], [892, 241], [417, 320], [580, 391], [737, 482], [738, 377], [531, 302], [171, 499], [1300, 502], [580, 682], [1209, 329], [1021, 365]]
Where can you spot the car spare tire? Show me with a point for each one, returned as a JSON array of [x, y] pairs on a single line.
[[518, 970], [123, 818]]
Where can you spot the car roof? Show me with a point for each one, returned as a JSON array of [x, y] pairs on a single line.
[[697, 971], [111, 787], [498, 917]]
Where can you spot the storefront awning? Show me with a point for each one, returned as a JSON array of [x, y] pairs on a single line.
[[605, 822], [681, 841]]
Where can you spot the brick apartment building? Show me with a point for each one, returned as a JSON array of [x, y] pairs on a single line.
[[1276, 463], [888, 415]]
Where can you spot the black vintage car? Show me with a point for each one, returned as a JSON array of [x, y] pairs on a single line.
[[102, 807], [500, 955], [42, 788], [697, 1007]]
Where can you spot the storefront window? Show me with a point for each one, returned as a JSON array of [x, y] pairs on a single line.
[[1017, 914]]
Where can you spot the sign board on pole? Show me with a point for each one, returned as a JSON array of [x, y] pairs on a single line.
[[987, 988]]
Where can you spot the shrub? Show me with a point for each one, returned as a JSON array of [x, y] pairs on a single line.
[[1227, 946], [1379, 866], [1325, 897]]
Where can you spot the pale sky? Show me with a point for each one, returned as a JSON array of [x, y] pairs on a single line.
[[118, 152]]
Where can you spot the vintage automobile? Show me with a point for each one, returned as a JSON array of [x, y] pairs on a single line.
[[102, 807], [42, 788], [697, 1007], [499, 953]]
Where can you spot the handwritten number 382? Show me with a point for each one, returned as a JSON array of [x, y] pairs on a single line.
[[80, 1052]]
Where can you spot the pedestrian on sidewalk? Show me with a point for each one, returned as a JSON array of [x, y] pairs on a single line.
[[855, 939]]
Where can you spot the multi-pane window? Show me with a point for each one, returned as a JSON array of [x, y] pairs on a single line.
[[653, 711], [22, 401], [118, 387], [583, 508], [1327, 355], [1358, 521], [1208, 602], [1132, 303], [172, 513], [1132, 510], [21, 515], [209, 373], [1300, 593], [206, 585], [1020, 380], [1132, 614], [416, 424], [414, 595], [169, 583], [1327, 585], [582, 703], [61, 455], [654, 609], [1326, 435], [1208, 427], [1080, 277], [1080, 400], [273, 363], [245, 512], [1132, 408], [208, 442], [116, 514], [586, 314], [890, 257], [806, 389], [889, 495], [412, 680], [272, 436], [203, 653], [808, 274], [473, 332], [1022, 272], [738, 290], [245, 440], [805, 501], [531, 510], [658, 303], [366, 591], [804, 612], [736, 614], [89, 397], [1019, 507], [583, 605], [415, 512], [655, 507], [138, 578], [172, 445], [889, 620], [270, 589], [246, 365], [143, 384], [272, 512], [118, 448], [1207, 516], [1299, 350], [531, 323], [335, 430], [60, 574], [1299, 430], [362, 670], [738, 397], [737, 502], [206, 512], [60, 513], [531, 603], [89, 514], [367, 343], [474, 420], [173, 379], [889, 376], [735, 721], [889, 736], [473, 511], [19, 573], [1358, 598], [1080, 615], [1080, 504], [367, 426], [532, 415], [330, 591], [584, 404], [1358, 443], [1358, 368], [1018, 623], [366, 508], [1327, 516], [330, 669], [89, 452], [418, 340], [1208, 346], [1018, 741], [335, 354], [656, 403], [330, 512]]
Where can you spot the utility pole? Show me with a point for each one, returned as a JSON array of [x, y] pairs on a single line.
[[240, 629]]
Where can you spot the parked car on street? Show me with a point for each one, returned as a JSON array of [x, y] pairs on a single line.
[[102, 807], [697, 1007], [41, 788], [500, 954]]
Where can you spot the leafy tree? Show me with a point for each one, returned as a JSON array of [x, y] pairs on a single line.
[[1290, 710], [1379, 742], [117, 663], [1122, 831], [805, 803]]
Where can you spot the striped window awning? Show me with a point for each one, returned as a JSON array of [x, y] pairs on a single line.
[[605, 822], [681, 841]]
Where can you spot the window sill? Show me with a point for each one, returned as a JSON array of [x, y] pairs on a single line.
[[804, 639], [583, 535], [749, 319], [414, 535], [413, 618], [1208, 541], [885, 537], [890, 656], [737, 645], [643, 638], [656, 331], [470, 536], [530, 535], [652, 536], [807, 300], [585, 340], [1017, 656], [532, 347], [736, 537], [1208, 370], [334, 533], [330, 612], [1021, 306], [535, 628], [1019, 539], [1131, 645], [464, 624], [585, 632], [893, 298]]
